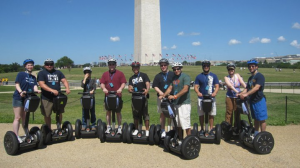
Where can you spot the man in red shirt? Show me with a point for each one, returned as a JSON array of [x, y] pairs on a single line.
[[113, 80]]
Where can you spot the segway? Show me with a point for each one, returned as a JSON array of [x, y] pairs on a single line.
[[32, 137], [138, 104], [207, 103], [61, 133], [112, 103], [228, 131], [263, 142], [87, 102], [190, 145]]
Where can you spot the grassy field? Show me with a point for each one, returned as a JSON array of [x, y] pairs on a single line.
[[275, 101]]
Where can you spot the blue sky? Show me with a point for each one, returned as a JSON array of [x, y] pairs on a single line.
[[83, 30]]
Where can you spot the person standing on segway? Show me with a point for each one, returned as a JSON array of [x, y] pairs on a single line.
[[113, 80], [25, 82], [140, 82], [89, 85], [233, 82], [180, 87], [161, 83], [206, 83], [49, 80], [254, 89]]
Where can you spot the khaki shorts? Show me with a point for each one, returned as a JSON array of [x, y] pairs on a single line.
[[47, 108], [183, 116]]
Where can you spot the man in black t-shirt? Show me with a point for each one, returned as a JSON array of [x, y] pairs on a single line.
[[161, 83], [139, 82], [49, 80]]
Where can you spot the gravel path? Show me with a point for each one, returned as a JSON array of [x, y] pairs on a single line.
[[92, 153]]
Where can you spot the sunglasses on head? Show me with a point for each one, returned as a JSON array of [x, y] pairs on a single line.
[[174, 69], [49, 64]]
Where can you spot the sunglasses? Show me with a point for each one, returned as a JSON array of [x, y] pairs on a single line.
[[111, 64], [251, 66], [49, 64], [230, 69], [175, 69], [163, 65], [205, 65]]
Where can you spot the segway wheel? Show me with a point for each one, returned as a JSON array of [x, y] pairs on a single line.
[[157, 134], [226, 130], [101, 128], [78, 129], [151, 134], [167, 140], [218, 134], [11, 143], [190, 147], [129, 133], [36, 134], [195, 129], [67, 126], [46, 136], [124, 132], [263, 142], [242, 137]]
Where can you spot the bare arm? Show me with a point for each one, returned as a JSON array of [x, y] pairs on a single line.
[[167, 92], [229, 84], [102, 85], [196, 89], [121, 88], [146, 90], [214, 94], [182, 92], [65, 82], [160, 93], [250, 92]]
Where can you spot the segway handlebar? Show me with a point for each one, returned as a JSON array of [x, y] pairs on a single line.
[[137, 93], [112, 92], [207, 96], [30, 92], [85, 93]]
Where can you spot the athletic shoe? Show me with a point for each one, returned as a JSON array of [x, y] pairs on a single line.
[[94, 128], [201, 132], [163, 134], [119, 130], [108, 130], [147, 132], [179, 142], [20, 140], [83, 127], [135, 132], [211, 132]]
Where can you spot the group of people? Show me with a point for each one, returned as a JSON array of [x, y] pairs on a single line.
[[174, 85]]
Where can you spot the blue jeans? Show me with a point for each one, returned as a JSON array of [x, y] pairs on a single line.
[[93, 115]]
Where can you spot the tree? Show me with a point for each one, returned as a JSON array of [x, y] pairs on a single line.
[[198, 62], [65, 62]]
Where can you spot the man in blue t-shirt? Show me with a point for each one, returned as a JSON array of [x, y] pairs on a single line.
[[49, 80], [206, 83], [254, 90]]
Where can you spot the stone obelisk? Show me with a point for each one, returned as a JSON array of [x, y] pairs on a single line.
[[147, 35]]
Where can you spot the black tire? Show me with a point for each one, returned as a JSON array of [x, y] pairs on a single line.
[[218, 134], [191, 147], [263, 142], [124, 132], [11, 143], [151, 134], [226, 130], [169, 136], [195, 129], [36, 134], [100, 130], [67, 126], [242, 137], [129, 133], [78, 129], [157, 134], [46, 136]]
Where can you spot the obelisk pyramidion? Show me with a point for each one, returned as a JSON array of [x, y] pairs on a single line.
[[147, 36]]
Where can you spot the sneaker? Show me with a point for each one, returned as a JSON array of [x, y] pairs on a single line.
[[163, 134], [135, 132], [201, 132], [20, 140], [119, 130], [108, 130], [211, 132], [94, 128], [179, 142], [147, 132], [83, 127]]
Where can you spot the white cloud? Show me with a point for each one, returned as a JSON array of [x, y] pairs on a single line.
[[281, 38], [196, 43], [296, 26], [114, 39], [233, 42], [165, 48], [254, 40], [180, 34], [295, 44], [195, 34], [265, 40], [174, 47]]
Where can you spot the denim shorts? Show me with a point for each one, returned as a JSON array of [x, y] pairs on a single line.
[[18, 103]]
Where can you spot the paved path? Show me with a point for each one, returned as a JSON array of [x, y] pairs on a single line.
[[92, 153]]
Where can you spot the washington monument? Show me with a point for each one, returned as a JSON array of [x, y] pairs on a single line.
[[147, 35]]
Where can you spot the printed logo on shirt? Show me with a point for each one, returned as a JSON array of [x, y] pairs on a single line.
[[52, 77], [137, 80]]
